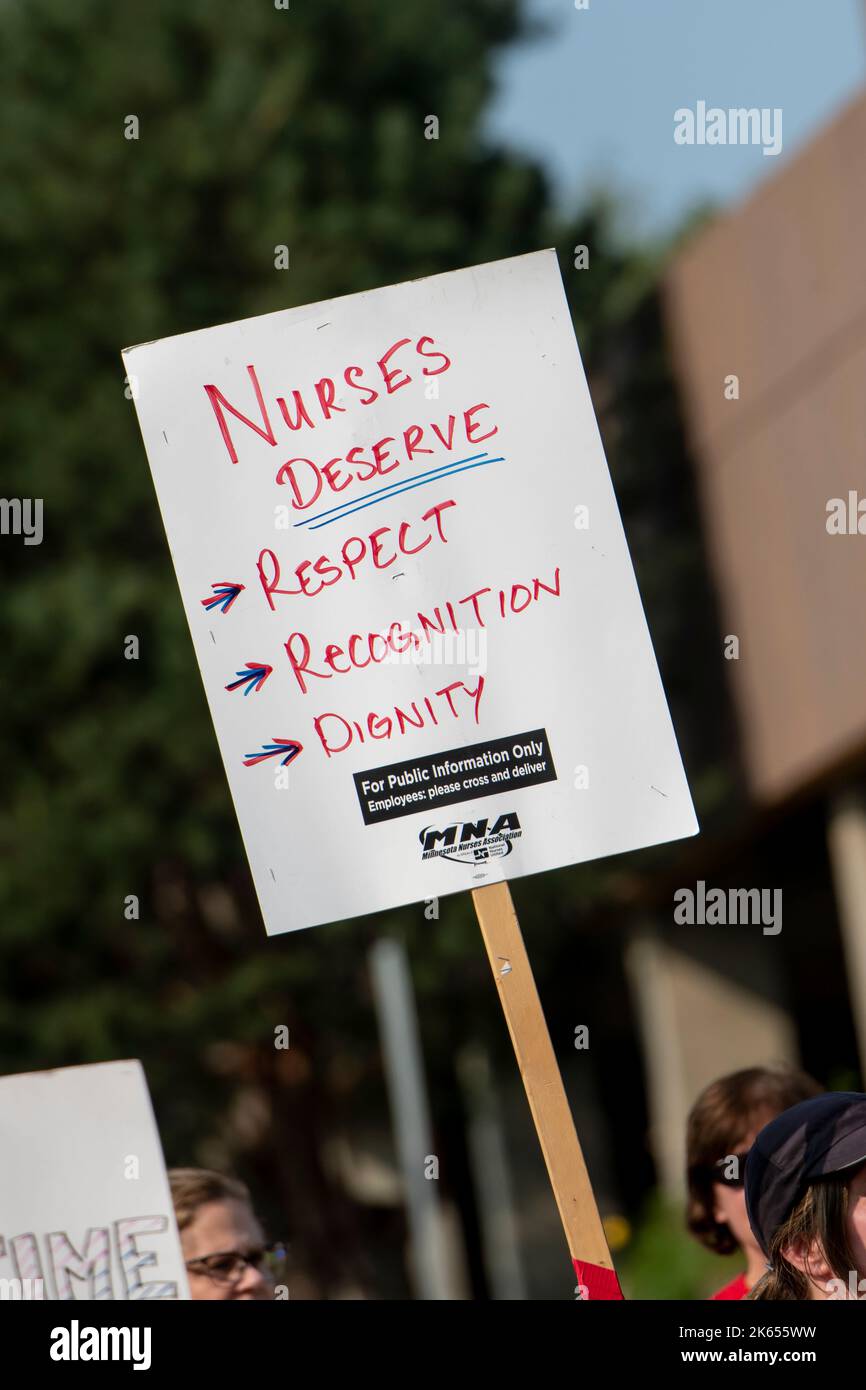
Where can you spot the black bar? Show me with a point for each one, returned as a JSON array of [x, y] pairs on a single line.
[[424, 784]]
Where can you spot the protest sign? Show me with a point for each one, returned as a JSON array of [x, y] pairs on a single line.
[[409, 592], [416, 619], [85, 1207]]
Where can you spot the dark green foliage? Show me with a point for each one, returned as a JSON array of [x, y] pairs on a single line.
[[258, 127]]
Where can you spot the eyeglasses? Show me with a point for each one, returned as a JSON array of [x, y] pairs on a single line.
[[228, 1266], [730, 1170]]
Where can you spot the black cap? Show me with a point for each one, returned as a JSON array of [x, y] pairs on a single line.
[[811, 1140]]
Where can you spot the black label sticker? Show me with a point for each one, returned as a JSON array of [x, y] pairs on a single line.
[[460, 774]]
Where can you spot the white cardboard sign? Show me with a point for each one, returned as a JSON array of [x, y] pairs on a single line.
[[85, 1205], [409, 591]]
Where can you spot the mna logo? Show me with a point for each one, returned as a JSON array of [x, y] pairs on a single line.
[[471, 842]]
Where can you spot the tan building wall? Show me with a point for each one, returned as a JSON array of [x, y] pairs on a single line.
[[775, 293]]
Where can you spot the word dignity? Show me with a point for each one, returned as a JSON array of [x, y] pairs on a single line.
[[739, 125]]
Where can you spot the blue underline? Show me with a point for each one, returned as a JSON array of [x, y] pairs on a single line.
[[394, 489], [389, 487]]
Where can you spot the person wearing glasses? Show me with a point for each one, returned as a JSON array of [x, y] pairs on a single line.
[[721, 1128], [222, 1241]]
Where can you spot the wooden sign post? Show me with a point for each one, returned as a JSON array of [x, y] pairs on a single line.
[[545, 1092]]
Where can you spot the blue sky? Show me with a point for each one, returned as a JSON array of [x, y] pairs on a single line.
[[594, 98]]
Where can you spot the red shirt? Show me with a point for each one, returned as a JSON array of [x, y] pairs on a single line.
[[738, 1288]]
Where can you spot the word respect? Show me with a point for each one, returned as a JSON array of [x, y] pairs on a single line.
[[356, 551]]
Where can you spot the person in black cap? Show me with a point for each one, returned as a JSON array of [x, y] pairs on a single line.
[[806, 1199]]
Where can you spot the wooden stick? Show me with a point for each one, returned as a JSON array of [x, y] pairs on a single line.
[[545, 1092]]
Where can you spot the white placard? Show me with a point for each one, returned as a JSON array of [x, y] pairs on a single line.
[[85, 1206], [409, 591]]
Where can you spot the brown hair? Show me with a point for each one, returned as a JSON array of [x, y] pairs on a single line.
[[192, 1188], [720, 1118], [819, 1216]]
